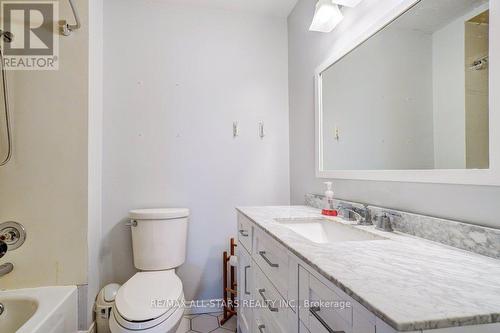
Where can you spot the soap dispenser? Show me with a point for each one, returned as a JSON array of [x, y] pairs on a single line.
[[328, 201]]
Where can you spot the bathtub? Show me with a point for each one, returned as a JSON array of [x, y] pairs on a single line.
[[39, 310]]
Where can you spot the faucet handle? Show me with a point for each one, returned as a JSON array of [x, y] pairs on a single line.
[[340, 206], [385, 220], [389, 213]]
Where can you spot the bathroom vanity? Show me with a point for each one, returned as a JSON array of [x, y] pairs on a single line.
[[301, 272]]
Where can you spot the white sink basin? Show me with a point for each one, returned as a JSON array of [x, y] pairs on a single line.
[[324, 231]]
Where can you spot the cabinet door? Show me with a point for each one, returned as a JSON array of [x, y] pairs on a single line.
[[325, 310], [363, 321], [245, 286]]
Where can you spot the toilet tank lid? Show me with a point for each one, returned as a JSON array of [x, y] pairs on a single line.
[[158, 213]]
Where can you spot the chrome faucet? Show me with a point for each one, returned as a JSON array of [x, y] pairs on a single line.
[[361, 215]]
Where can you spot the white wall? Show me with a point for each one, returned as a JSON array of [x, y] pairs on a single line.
[[307, 50], [44, 187], [391, 126], [175, 78]]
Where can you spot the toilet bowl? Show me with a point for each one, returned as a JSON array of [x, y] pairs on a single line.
[[152, 301]]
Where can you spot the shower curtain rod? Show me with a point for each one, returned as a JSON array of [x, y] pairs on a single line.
[[67, 28]]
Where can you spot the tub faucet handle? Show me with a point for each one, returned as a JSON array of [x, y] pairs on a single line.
[[6, 269]]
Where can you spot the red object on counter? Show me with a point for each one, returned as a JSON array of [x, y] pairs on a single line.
[[329, 212]]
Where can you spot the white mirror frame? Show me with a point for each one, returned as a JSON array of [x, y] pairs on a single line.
[[489, 176]]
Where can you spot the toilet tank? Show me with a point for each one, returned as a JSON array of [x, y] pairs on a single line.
[[159, 237]]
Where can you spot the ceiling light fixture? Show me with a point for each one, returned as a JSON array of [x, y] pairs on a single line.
[[326, 17]]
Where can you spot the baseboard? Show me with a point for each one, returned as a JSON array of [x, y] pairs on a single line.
[[92, 329], [203, 306]]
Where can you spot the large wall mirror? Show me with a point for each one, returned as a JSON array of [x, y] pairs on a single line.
[[414, 96]]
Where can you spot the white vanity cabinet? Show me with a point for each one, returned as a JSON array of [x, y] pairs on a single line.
[[273, 283]]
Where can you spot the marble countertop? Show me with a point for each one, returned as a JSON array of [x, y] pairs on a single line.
[[410, 283]]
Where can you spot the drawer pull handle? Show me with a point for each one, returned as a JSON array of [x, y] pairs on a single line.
[[246, 289], [261, 328], [263, 255], [244, 233], [314, 311], [261, 292]]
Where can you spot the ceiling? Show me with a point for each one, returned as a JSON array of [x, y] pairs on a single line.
[[431, 15], [483, 18], [281, 8]]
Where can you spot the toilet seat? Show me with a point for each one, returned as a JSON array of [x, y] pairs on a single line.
[[165, 324], [148, 299]]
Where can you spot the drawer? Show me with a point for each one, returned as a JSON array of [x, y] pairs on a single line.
[[245, 232], [271, 309], [272, 258], [324, 310]]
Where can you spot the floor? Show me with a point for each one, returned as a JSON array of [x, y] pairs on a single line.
[[206, 323]]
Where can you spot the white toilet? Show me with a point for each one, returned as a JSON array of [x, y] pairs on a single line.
[[152, 300]]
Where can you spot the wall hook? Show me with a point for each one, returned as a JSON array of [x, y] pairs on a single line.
[[261, 130], [236, 129]]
